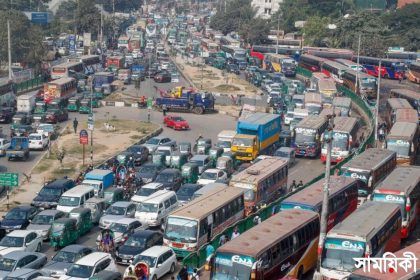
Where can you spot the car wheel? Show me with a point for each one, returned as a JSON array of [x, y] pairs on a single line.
[[172, 270], [38, 248]]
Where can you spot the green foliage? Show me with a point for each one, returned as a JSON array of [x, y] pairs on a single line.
[[24, 5], [315, 30], [120, 5], [255, 31]]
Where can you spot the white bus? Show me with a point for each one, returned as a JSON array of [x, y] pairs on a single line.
[[66, 70], [91, 63]]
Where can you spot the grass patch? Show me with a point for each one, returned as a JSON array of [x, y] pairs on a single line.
[[66, 171], [226, 88], [135, 137], [42, 166], [76, 150], [126, 125]]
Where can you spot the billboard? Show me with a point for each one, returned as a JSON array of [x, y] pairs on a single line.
[[40, 17], [72, 44]]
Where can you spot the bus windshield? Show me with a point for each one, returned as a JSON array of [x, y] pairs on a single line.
[[339, 254], [401, 147], [181, 230], [368, 83], [340, 142], [232, 267], [392, 198], [305, 135]]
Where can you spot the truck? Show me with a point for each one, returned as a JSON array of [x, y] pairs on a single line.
[[115, 62], [134, 44], [124, 75], [102, 78], [26, 102], [99, 179], [18, 149], [138, 71], [257, 134], [225, 138], [187, 101]]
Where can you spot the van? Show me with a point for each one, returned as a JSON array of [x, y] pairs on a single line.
[[153, 211], [74, 198], [146, 191], [90, 265]]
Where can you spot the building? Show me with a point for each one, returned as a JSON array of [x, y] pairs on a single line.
[[402, 3], [266, 8]]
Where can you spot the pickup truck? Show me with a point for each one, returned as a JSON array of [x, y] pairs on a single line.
[[18, 149]]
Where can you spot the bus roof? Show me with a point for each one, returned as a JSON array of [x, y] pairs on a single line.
[[329, 111], [202, 206], [344, 124], [340, 101], [375, 274], [406, 115], [360, 74], [401, 179], [335, 64], [406, 93], [67, 64], [398, 103], [313, 97], [313, 194], [327, 84], [312, 121], [258, 171], [403, 130], [278, 56], [312, 57], [345, 62], [366, 221], [261, 237], [319, 75], [369, 159], [61, 81]]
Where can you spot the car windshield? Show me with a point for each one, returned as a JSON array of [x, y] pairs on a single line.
[[35, 137], [69, 201], [117, 227], [50, 191], [242, 142], [186, 191], [16, 214], [151, 261], [178, 119], [209, 175], [181, 230], [340, 254], [165, 178], [43, 219], [224, 144], [80, 271], [66, 257], [145, 192], [11, 241], [135, 241], [153, 141], [7, 264], [57, 227], [148, 207], [115, 210]]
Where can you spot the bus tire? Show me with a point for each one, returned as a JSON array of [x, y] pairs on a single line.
[[300, 273]]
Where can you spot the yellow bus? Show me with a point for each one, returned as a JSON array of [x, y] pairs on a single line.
[[283, 245], [404, 140]]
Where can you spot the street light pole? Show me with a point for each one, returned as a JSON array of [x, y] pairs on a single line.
[[9, 51], [93, 121], [357, 70], [377, 101]]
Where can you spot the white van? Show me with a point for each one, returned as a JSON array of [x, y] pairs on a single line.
[[146, 191], [74, 198], [153, 211]]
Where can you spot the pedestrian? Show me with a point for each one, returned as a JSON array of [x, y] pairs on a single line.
[[292, 187], [222, 240], [381, 134], [400, 78], [183, 273], [300, 184], [235, 233], [164, 110], [194, 275], [75, 124], [209, 252]]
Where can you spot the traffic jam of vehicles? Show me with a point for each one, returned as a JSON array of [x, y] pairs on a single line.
[[221, 209]]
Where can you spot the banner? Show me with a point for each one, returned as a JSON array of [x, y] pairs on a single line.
[[87, 38], [72, 44]]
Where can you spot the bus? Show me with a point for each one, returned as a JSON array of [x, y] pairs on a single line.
[[282, 63], [406, 115], [403, 139], [329, 53], [63, 88], [402, 187], [392, 105], [115, 62], [371, 230], [307, 136], [390, 68], [350, 64], [262, 182], [91, 62], [367, 85], [413, 97], [283, 245], [344, 139], [227, 40], [414, 72], [371, 166], [203, 218], [313, 103], [328, 89], [7, 95], [238, 54], [342, 198], [407, 57], [208, 47], [334, 69], [413, 272], [343, 104], [123, 42], [66, 70], [274, 49], [311, 62]]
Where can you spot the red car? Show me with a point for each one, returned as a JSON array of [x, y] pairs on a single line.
[[176, 123]]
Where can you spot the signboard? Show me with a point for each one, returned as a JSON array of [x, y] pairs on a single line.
[[83, 137], [9, 179], [72, 44], [87, 39], [91, 121], [39, 17]]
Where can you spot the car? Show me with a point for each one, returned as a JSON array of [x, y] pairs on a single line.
[[123, 228], [154, 142], [90, 265], [38, 141], [186, 192], [19, 260], [117, 211], [50, 194], [162, 77], [56, 115], [22, 130], [170, 178], [160, 259], [21, 240], [24, 274], [61, 261], [211, 176], [42, 222], [148, 172], [233, 68], [164, 65], [146, 191], [4, 144], [140, 153], [174, 77], [176, 122], [22, 118], [203, 162], [18, 218], [136, 244], [6, 114]]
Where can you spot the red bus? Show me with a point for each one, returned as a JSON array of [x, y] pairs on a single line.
[[342, 199], [390, 68], [402, 187], [311, 62]]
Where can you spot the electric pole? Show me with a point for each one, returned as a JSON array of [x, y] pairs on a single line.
[[377, 101], [357, 70], [9, 50]]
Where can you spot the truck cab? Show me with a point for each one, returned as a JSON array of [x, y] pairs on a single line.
[[18, 149], [245, 146]]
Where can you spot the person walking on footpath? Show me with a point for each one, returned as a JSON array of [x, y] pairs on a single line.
[[164, 110], [300, 184], [292, 187], [75, 124]]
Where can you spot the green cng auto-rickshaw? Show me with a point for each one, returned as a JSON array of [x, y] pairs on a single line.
[[225, 164], [83, 219], [74, 104], [63, 232], [214, 154], [159, 159], [84, 106], [190, 172], [178, 160], [185, 148], [203, 146]]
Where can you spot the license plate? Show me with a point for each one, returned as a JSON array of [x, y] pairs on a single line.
[[125, 261]]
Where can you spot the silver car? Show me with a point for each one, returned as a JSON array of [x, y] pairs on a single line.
[[19, 260], [24, 274], [42, 222], [157, 141], [117, 211]]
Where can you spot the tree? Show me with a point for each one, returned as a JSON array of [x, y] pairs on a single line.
[[24, 5], [238, 12], [291, 11], [316, 31], [255, 31]]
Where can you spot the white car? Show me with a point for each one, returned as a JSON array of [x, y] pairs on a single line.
[[4, 144], [161, 260], [21, 240], [288, 117], [38, 141], [211, 176], [90, 265]]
